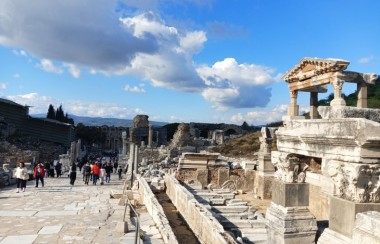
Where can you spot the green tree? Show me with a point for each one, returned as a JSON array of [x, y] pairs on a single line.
[[51, 112], [59, 114]]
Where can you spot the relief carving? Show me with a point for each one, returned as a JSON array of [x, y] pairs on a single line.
[[356, 182], [290, 169]]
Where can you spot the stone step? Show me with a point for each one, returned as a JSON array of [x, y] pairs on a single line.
[[226, 196], [229, 209], [227, 224], [221, 190]]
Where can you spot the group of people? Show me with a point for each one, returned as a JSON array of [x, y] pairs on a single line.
[[94, 171], [22, 175]]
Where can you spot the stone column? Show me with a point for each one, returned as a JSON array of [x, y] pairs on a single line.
[[338, 101], [73, 152], [314, 105], [131, 159], [265, 170], [362, 95], [124, 142], [136, 159], [288, 218], [293, 108], [78, 148], [150, 136]]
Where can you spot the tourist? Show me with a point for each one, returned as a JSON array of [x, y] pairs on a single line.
[[95, 173], [119, 171], [47, 169], [73, 173], [102, 174], [58, 169], [51, 169], [109, 170], [39, 174], [116, 166], [22, 176], [86, 173]]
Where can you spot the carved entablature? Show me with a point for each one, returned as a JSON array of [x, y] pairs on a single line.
[[310, 67], [355, 182], [313, 74], [289, 168]]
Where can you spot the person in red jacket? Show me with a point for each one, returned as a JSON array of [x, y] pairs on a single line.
[[39, 174], [95, 173]]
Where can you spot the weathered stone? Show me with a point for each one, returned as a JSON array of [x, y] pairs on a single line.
[[343, 214], [290, 194], [367, 228]]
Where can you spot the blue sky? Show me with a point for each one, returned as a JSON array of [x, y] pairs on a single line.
[[176, 61]]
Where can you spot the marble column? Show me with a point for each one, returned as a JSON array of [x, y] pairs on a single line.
[[293, 108], [362, 95], [314, 105], [124, 142], [338, 101]]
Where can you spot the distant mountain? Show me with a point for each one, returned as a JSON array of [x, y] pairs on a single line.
[[98, 121]]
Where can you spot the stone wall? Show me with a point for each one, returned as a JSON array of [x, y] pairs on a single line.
[[200, 219], [156, 211]]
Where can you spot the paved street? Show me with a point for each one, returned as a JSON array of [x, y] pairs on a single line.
[[61, 213]]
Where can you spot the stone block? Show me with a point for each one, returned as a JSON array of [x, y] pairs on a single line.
[[202, 177], [343, 214], [290, 194], [263, 186], [290, 225], [223, 176], [367, 228]]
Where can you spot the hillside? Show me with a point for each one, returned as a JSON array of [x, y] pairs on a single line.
[[244, 146], [373, 98]]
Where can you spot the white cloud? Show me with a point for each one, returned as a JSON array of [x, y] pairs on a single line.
[[135, 89], [20, 53], [73, 70], [174, 118], [103, 39], [237, 118], [3, 86], [48, 66], [40, 104], [261, 117], [366, 59], [265, 117], [233, 85]]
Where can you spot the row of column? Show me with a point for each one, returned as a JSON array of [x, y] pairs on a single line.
[[293, 108]]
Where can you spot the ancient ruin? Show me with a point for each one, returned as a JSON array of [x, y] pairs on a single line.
[[313, 180]]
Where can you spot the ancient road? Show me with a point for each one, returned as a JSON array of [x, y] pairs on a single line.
[[61, 213]]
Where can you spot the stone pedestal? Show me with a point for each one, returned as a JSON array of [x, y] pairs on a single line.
[[343, 214], [367, 228], [288, 218], [264, 176]]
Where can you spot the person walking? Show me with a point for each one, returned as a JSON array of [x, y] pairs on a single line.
[[109, 170], [119, 171], [73, 173], [39, 173], [86, 173], [58, 168], [95, 173], [47, 169], [102, 174], [22, 176]]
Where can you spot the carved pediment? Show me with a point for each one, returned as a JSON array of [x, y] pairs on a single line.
[[310, 67]]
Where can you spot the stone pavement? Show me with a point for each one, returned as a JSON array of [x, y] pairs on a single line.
[[61, 213]]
